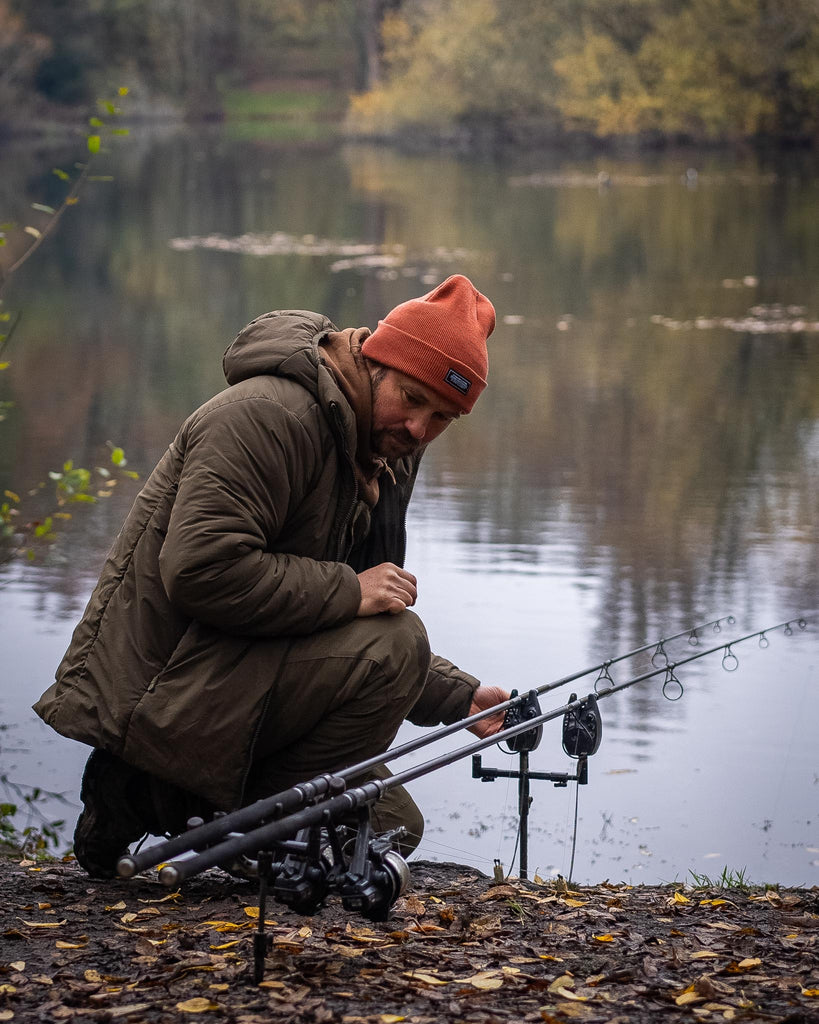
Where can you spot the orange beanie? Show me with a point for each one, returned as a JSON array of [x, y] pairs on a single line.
[[439, 339]]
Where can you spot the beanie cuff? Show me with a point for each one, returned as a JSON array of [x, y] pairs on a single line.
[[450, 378]]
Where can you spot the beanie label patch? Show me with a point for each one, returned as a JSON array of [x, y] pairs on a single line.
[[458, 381]]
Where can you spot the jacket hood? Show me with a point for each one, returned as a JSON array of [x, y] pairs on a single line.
[[282, 343]]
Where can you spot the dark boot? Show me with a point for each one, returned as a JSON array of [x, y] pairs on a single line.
[[114, 814]]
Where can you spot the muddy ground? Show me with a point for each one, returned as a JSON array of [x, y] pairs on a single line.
[[457, 947]]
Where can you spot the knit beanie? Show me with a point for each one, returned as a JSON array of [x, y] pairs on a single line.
[[439, 339]]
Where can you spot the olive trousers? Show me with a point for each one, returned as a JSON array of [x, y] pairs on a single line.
[[338, 698]]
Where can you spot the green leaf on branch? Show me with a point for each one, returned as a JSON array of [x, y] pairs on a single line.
[[94, 143], [118, 457], [43, 208], [95, 122], [61, 174]]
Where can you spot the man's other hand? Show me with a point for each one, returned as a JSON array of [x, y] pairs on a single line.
[[386, 588], [487, 697]]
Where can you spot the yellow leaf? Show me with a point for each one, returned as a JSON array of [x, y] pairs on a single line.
[[226, 945], [346, 951], [702, 954], [252, 912], [604, 938], [175, 896], [679, 898], [749, 962], [548, 956], [199, 1004], [60, 944], [7, 990], [575, 903], [427, 979], [562, 982], [6, 1014], [391, 1018], [713, 903], [225, 926], [43, 924], [812, 992], [128, 918], [18, 965], [117, 906], [220, 986], [568, 994], [272, 984], [486, 980], [93, 976], [688, 997]]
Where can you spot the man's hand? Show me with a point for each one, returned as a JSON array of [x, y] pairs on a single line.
[[487, 697], [386, 588]]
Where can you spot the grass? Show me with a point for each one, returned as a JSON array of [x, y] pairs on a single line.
[[729, 879], [291, 105]]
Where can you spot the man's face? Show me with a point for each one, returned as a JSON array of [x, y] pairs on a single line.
[[406, 413]]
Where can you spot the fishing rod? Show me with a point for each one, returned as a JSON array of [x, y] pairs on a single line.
[[580, 735], [310, 856], [324, 786]]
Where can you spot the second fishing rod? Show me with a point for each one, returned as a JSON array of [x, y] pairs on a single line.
[[241, 833], [324, 786]]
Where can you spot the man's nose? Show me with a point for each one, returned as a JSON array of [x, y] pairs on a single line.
[[417, 424]]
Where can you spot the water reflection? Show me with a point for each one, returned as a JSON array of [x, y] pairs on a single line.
[[620, 478]]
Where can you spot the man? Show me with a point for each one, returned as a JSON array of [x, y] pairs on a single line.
[[250, 628]]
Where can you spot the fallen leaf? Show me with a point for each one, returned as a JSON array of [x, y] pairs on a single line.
[[679, 898], [498, 892], [18, 965], [62, 944], [226, 945], [427, 979], [117, 906], [564, 981], [813, 993], [604, 938], [486, 981], [6, 1014], [199, 1004], [703, 954], [574, 903], [43, 924], [390, 1018], [346, 951], [93, 976], [688, 997]]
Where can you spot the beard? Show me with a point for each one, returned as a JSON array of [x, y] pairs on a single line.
[[393, 444]]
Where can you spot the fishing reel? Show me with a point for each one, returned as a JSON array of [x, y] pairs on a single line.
[[377, 874]]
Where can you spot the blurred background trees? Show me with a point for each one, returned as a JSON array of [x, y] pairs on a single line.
[[703, 69]]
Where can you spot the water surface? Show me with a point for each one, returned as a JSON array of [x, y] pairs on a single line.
[[644, 459]]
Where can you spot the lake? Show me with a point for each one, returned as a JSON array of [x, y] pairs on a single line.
[[644, 460]]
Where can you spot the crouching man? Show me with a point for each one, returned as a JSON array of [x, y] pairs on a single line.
[[251, 625]]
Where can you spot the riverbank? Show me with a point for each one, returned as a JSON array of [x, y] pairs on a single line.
[[457, 947]]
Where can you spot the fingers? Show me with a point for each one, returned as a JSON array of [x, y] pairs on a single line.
[[386, 588], [484, 698]]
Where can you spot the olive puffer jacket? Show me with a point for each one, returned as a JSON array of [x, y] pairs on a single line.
[[243, 533]]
